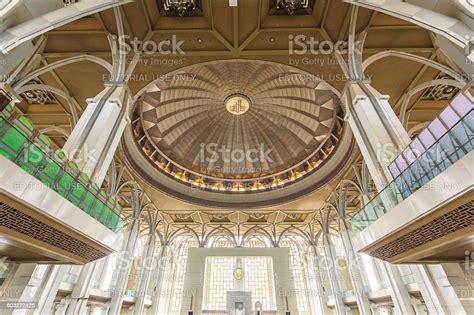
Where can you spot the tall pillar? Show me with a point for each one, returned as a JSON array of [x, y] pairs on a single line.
[[322, 306], [379, 133], [105, 309], [337, 291], [46, 301], [20, 284], [100, 272], [124, 265], [454, 281], [353, 267], [78, 299], [380, 137], [61, 308], [144, 279], [454, 23], [11, 63], [80, 293], [95, 138], [376, 263], [25, 284], [377, 130], [93, 153], [157, 283]]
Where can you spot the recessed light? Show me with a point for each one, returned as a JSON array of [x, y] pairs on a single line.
[[272, 39]]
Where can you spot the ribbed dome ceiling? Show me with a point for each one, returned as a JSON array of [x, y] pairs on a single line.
[[291, 115]]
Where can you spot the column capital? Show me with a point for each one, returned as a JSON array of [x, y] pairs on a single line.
[[363, 89]]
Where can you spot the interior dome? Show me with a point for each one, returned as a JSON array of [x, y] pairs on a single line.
[[236, 126], [286, 118]]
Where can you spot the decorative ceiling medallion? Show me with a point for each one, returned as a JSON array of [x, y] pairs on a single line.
[[237, 104], [239, 273]]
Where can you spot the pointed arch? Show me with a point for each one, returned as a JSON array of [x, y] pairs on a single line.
[[295, 230], [255, 231], [217, 229]]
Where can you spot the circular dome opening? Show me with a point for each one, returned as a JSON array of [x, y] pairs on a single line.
[[240, 126]]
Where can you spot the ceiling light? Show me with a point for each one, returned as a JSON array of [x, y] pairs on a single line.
[[180, 7], [290, 6]]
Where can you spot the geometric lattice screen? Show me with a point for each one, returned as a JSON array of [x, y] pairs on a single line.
[[454, 220], [219, 278]]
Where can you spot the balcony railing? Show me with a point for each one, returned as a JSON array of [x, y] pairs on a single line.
[[449, 148], [35, 154]]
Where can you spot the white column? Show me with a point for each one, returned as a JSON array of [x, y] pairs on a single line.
[[144, 279], [19, 285], [157, 280], [376, 272], [376, 128], [124, 266], [9, 62], [46, 301], [377, 131], [105, 309], [93, 153], [454, 283], [25, 284], [80, 293], [453, 24], [14, 36], [354, 269], [322, 306], [100, 272], [380, 137], [95, 138], [337, 291], [61, 308]]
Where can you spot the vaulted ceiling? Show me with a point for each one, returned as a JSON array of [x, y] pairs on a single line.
[[249, 31]]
